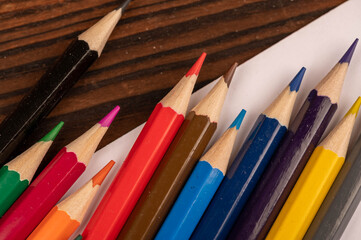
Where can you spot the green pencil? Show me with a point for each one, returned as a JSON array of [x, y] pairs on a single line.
[[16, 175]]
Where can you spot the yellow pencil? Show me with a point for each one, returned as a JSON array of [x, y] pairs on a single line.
[[315, 181]]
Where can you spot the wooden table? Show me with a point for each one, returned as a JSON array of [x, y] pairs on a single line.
[[149, 51]]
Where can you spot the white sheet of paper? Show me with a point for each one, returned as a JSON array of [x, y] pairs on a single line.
[[317, 46]]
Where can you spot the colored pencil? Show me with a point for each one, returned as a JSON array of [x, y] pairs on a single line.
[[200, 187], [53, 182], [248, 166], [314, 182], [341, 201], [143, 159], [286, 165], [56, 82], [16, 175], [65, 217], [177, 164]]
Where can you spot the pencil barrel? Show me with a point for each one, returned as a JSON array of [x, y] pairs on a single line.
[[169, 178], [284, 168], [240, 179], [191, 203], [11, 187], [56, 225], [341, 201], [44, 96], [38, 199]]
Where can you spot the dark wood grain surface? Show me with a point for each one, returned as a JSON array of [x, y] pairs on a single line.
[[151, 48]]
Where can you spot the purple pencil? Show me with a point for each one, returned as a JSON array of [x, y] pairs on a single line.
[[289, 160]]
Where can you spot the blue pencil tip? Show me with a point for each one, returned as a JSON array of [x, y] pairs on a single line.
[[346, 58], [296, 81], [239, 119]]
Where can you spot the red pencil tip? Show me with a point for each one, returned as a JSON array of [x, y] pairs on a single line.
[[108, 119], [101, 175], [197, 66]]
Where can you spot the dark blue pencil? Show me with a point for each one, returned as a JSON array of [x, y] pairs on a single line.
[[249, 164]]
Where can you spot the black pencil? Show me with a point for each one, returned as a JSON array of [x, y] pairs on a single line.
[[56, 82]]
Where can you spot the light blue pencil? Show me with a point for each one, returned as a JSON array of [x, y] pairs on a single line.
[[200, 187]]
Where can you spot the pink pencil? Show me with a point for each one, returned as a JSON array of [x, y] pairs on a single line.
[[53, 182]]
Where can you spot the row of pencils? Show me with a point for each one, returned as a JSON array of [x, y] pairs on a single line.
[[284, 183]]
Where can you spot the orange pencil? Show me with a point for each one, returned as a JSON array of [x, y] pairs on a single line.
[[66, 216]]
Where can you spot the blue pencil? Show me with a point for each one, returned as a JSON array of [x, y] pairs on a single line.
[[200, 187], [251, 160]]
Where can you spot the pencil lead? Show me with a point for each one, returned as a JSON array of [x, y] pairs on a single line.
[[197, 66], [229, 75], [108, 119], [296, 81], [355, 107], [346, 58], [50, 136], [79, 237], [239, 119], [101, 175], [123, 6]]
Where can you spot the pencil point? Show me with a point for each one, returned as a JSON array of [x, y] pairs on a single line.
[[197, 66], [101, 175], [229, 75], [355, 107], [239, 119], [50, 136], [346, 58], [108, 119], [79, 237], [124, 5], [296, 81]]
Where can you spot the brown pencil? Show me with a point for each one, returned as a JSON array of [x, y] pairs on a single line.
[[177, 164]]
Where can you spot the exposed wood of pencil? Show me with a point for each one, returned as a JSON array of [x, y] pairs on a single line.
[[281, 108], [218, 155], [178, 98], [66, 216], [27, 163], [331, 84], [211, 105], [86, 144], [77, 204], [338, 139]]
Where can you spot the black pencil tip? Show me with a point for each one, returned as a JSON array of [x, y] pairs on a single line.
[[124, 5]]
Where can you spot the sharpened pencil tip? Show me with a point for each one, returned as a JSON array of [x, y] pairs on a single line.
[[355, 107], [195, 69], [79, 237], [239, 119], [229, 75], [123, 6], [101, 175], [346, 58], [296, 81], [108, 119], [50, 136]]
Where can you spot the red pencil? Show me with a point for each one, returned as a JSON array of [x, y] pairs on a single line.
[[52, 183], [142, 159]]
